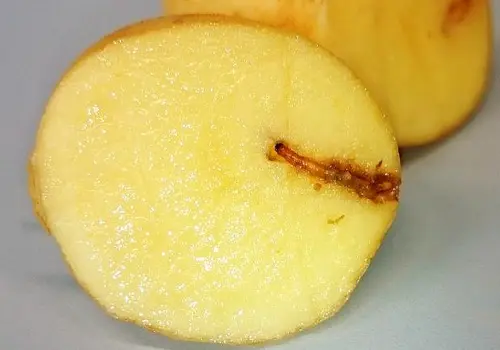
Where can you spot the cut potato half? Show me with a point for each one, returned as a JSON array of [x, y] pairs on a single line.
[[215, 180]]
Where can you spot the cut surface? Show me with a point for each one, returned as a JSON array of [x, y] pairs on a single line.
[[154, 171], [426, 62]]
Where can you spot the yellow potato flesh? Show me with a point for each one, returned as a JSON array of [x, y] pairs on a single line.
[[151, 171]]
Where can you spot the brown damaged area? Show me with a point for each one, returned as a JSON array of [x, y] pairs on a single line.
[[378, 187], [456, 12]]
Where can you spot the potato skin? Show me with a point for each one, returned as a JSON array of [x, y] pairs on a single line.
[[35, 196]]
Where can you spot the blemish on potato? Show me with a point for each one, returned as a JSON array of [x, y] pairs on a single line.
[[336, 221], [456, 13], [376, 186], [317, 186], [271, 154]]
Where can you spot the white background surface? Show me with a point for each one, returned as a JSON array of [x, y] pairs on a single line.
[[435, 283]]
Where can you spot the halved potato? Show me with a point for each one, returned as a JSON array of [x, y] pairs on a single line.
[[203, 181]]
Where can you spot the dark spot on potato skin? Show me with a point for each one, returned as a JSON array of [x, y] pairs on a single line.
[[456, 13]]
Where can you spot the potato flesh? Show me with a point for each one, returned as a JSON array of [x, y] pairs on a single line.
[[152, 175], [426, 62]]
